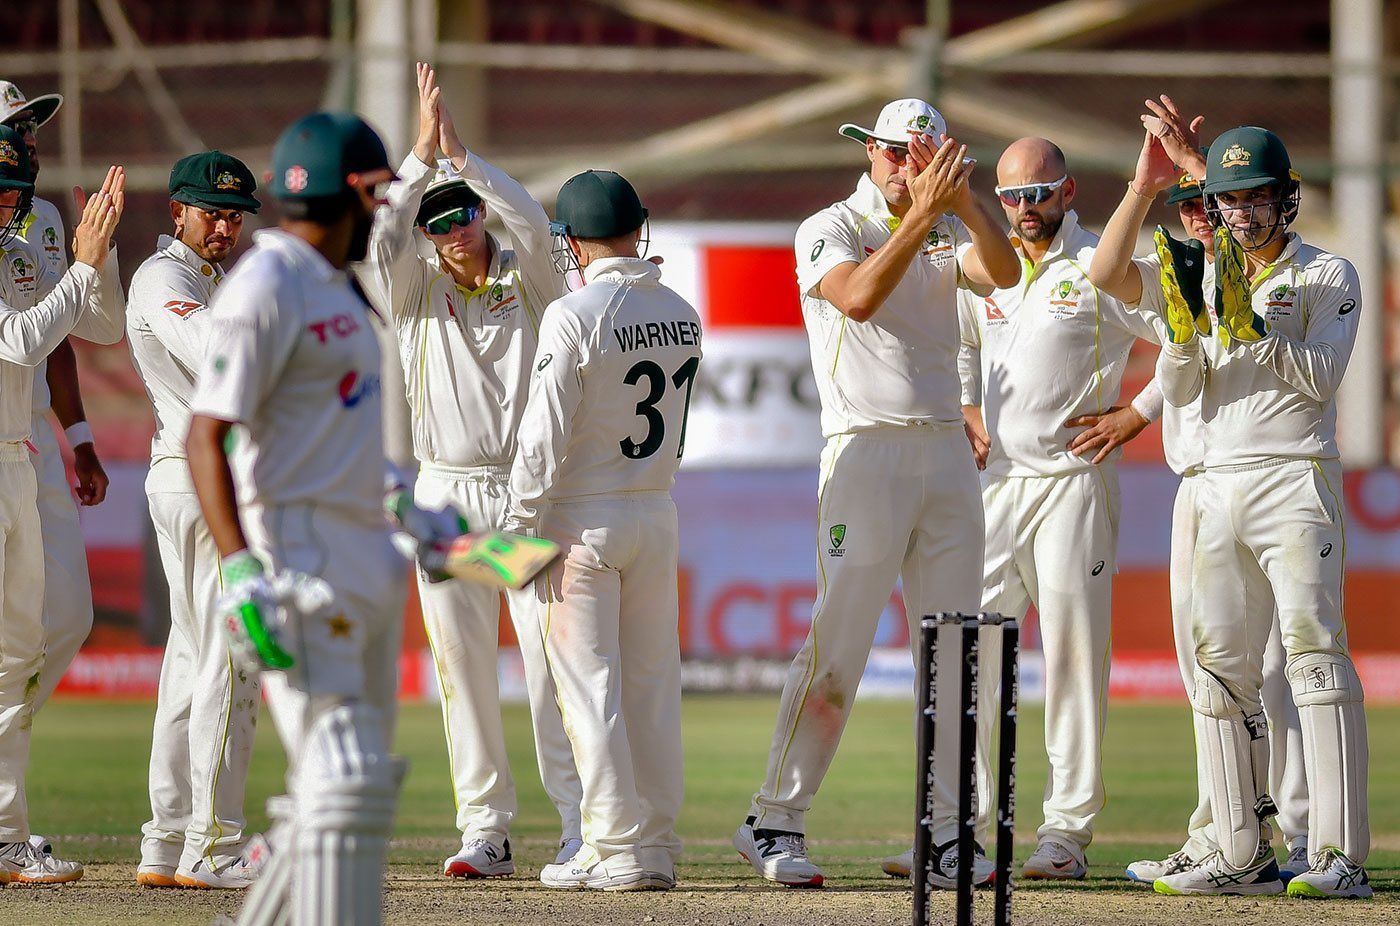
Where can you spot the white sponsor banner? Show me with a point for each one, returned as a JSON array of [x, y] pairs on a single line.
[[755, 402]]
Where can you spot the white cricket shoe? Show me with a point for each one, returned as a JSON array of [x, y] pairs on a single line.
[[217, 874], [1296, 863], [777, 855], [1214, 876], [1053, 859], [1147, 871], [586, 872], [568, 848], [480, 858], [33, 862], [156, 875], [1331, 875], [902, 866]]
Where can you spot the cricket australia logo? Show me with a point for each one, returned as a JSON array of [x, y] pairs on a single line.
[[919, 123], [8, 155], [50, 239], [938, 247], [838, 536], [1064, 299], [1279, 303], [22, 274], [226, 181], [12, 94], [1235, 156], [502, 304]]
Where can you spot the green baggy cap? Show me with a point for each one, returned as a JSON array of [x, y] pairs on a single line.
[[1246, 157], [14, 162], [597, 204], [316, 153], [214, 180]]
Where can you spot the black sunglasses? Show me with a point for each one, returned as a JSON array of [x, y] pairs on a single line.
[[464, 216]]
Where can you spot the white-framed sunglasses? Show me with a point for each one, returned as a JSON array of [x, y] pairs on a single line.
[[1032, 193]]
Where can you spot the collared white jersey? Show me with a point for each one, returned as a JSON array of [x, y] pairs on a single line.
[[43, 228], [1046, 350], [466, 354], [610, 392], [292, 356], [168, 327], [37, 312], [1183, 437], [899, 367], [1275, 397]]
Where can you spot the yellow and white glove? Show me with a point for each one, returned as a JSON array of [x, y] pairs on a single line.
[[1234, 304], [1183, 267]]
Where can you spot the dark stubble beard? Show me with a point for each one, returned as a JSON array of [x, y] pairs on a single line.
[[1049, 228]]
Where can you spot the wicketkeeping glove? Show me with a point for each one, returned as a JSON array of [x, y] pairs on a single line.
[[250, 613], [1183, 267], [1233, 298]]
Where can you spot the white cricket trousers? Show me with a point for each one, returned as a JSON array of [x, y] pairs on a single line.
[[206, 710], [67, 588], [1052, 541], [611, 622], [1271, 538], [1288, 784], [462, 622], [21, 631], [898, 503]]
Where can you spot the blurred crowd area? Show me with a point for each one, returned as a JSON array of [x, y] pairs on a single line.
[[235, 73]]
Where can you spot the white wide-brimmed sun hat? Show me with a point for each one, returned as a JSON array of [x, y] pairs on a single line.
[[898, 120], [13, 102]]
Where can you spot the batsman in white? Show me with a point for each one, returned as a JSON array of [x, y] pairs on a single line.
[[1041, 360], [898, 496], [67, 589], [598, 448], [1140, 282], [1265, 370], [467, 321], [313, 589], [206, 708], [37, 310]]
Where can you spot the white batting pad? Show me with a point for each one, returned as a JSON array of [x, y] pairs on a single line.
[[1237, 755], [1329, 698]]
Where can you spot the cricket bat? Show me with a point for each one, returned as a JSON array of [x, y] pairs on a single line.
[[495, 558]]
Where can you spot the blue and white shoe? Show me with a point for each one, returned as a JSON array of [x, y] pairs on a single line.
[[1214, 876], [1296, 863], [777, 855], [1147, 871], [1332, 875]]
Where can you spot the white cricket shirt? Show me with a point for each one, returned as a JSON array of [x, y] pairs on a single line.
[[466, 353], [1051, 348], [167, 327], [610, 392], [899, 367], [292, 355], [43, 228], [1275, 397]]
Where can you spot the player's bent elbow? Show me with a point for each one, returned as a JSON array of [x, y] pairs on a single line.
[[856, 310]]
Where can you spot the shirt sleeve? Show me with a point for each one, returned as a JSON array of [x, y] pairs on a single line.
[[391, 272], [1315, 365], [969, 349], [556, 388], [823, 241], [1181, 371], [255, 326], [27, 336], [524, 218], [171, 300], [104, 317], [1149, 402]]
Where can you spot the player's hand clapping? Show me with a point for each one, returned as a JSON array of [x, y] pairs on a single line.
[[1179, 138], [429, 95], [101, 212], [934, 177]]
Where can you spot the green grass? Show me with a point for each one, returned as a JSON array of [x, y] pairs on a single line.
[[87, 782]]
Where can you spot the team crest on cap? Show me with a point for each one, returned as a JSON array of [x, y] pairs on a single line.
[[1235, 156], [13, 95], [1187, 182], [296, 178], [227, 181], [8, 155], [919, 123]]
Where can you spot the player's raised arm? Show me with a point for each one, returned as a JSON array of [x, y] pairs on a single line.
[[991, 261], [104, 316]]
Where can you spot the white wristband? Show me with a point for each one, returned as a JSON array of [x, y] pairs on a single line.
[[79, 433]]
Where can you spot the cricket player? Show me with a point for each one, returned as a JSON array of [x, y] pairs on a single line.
[[67, 588], [1138, 282], [312, 589], [1044, 358], [1265, 370], [599, 444], [467, 321], [898, 496], [206, 709], [37, 311]]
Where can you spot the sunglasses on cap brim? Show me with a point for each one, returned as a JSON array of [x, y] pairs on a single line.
[[1032, 193], [444, 224]]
